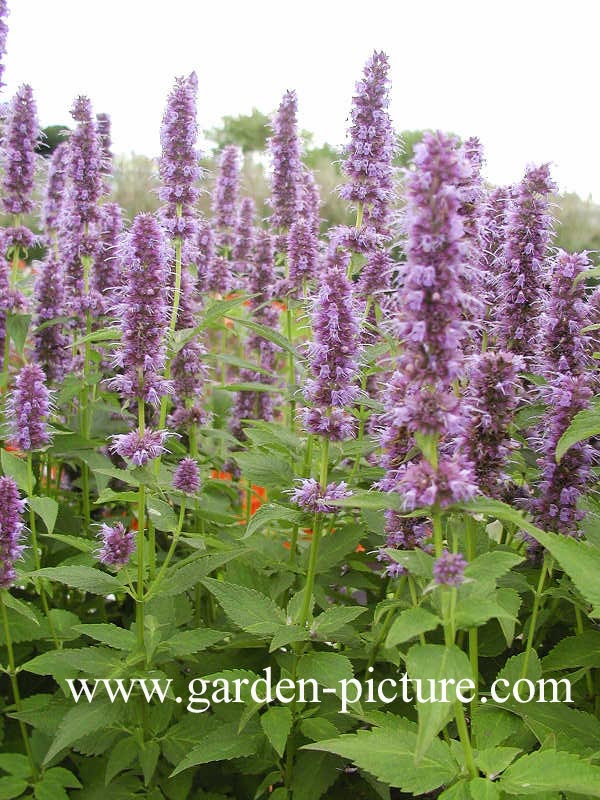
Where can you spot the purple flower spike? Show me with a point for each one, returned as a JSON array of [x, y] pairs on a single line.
[[564, 348], [187, 477], [103, 125], [528, 234], [311, 497], [204, 255], [3, 34], [376, 274], [492, 401], [20, 139], [224, 204], [55, 187], [449, 569], [243, 241], [369, 154], [333, 355], [143, 313], [107, 269], [117, 545], [423, 486], [29, 409], [11, 530], [286, 181], [179, 165], [51, 342], [311, 201], [303, 252], [140, 448]]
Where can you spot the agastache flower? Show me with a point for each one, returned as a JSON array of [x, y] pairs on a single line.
[[107, 269], [286, 181], [376, 274], [50, 342], [11, 530], [311, 201], [3, 35], [303, 252], [243, 240], [422, 485], [311, 497], [402, 533], [563, 346], [528, 234], [55, 188], [224, 203], [187, 477], [20, 139], [492, 226], [118, 545], [491, 404], [369, 154], [143, 313], [103, 125], [204, 255], [179, 165], [138, 447], [449, 569], [333, 355], [29, 409]]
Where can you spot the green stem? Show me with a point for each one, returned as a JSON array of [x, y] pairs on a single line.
[[387, 624], [12, 672], [84, 398], [170, 552], [291, 368], [534, 615], [438, 535], [316, 537], [470, 530], [588, 671], [463, 733], [140, 600]]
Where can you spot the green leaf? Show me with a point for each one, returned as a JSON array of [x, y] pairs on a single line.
[[288, 634], [411, 623], [276, 723], [47, 509], [334, 618], [337, 545], [389, 755], [328, 669], [109, 634], [221, 744], [482, 789], [181, 578], [582, 650], [250, 387], [428, 445], [415, 561], [549, 770], [314, 773], [16, 468], [87, 579], [20, 607], [11, 786], [187, 643], [435, 662], [62, 777], [80, 721], [121, 756], [584, 425], [491, 566], [15, 764], [495, 760], [17, 326], [267, 333], [510, 600], [162, 515], [109, 495], [250, 610], [272, 512], [148, 756], [371, 500]]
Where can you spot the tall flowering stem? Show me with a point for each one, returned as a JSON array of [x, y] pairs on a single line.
[[225, 196]]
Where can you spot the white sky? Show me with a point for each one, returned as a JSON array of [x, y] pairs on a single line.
[[523, 75]]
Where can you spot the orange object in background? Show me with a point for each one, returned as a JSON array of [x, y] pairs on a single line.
[[258, 497], [218, 475]]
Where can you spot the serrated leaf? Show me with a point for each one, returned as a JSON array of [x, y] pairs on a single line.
[[584, 425], [20, 607], [334, 618], [411, 623], [338, 544], [370, 500], [314, 773], [162, 515], [288, 634], [483, 789], [181, 578], [272, 512], [328, 669], [548, 770], [495, 760], [276, 723], [148, 756], [87, 579], [11, 786], [109, 634], [121, 756], [582, 650], [221, 744], [435, 662], [80, 721], [17, 326], [187, 643], [47, 509], [491, 566], [248, 609], [267, 333], [15, 764], [389, 755], [416, 562]]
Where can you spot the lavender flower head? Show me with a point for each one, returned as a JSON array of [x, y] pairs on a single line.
[[11, 529], [106, 278], [143, 313], [369, 154], [225, 196], [311, 201], [286, 181], [449, 569], [138, 447], [311, 497], [20, 139], [204, 255], [333, 355], [303, 252], [85, 163], [563, 346], [187, 477], [29, 409], [451, 482], [178, 165], [243, 240], [55, 187], [491, 404], [528, 234], [376, 274], [117, 545], [402, 533], [50, 342], [103, 125]]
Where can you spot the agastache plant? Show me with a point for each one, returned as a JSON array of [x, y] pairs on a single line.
[[107, 276], [55, 190], [225, 196], [11, 530], [50, 340], [286, 180], [243, 239], [3, 36]]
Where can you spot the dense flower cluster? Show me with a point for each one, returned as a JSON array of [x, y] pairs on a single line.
[[187, 476], [11, 529], [50, 342], [19, 142], [303, 252], [117, 545], [286, 182], [29, 409], [225, 196], [369, 154], [55, 188], [3, 35], [138, 447], [243, 239], [203, 255], [179, 163], [106, 277], [449, 569], [143, 313], [311, 496]]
